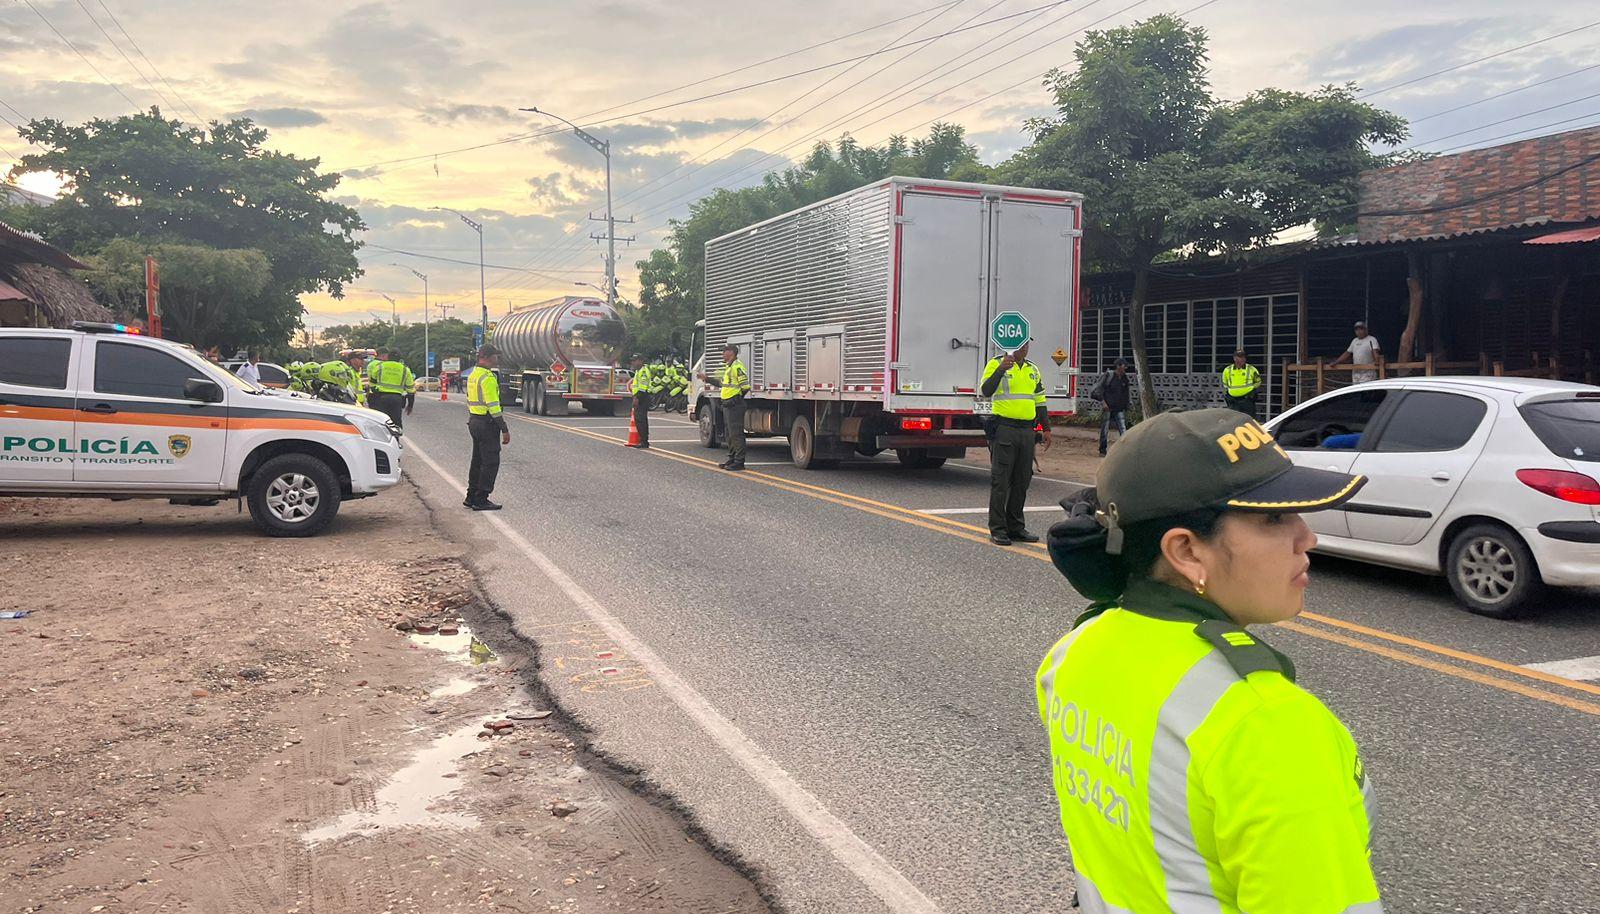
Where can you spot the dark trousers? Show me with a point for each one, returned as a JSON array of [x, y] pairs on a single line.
[[391, 405], [733, 417], [485, 466], [1109, 417], [641, 415], [1245, 404], [1011, 471]]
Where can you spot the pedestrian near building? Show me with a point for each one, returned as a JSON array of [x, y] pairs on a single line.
[[393, 387], [486, 423], [1114, 390], [251, 369], [735, 385], [1363, 350], [1191, 772], [1240, 381], [647, 382], [1013, 385]]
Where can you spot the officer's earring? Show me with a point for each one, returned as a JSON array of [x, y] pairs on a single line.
[[1200, 588]]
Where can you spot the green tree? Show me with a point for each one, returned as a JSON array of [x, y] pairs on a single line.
[[1166, 167], [159, 181], [672, 278], [208, 297], [448, 338]]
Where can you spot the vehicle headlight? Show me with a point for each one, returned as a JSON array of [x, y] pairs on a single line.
[[371, 429]]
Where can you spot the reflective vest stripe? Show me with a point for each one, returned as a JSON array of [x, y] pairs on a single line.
[[1188, 880], [1090, 901], [1241, 382], [476, 403]]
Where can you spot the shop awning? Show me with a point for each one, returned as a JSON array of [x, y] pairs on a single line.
[[8, 292], [1571, 236]]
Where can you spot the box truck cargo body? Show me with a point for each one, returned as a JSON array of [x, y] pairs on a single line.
[[864, 319]]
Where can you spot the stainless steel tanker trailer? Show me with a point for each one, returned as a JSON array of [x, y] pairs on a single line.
[[563, 351]]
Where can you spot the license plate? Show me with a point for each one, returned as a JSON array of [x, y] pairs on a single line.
[[983, 408]]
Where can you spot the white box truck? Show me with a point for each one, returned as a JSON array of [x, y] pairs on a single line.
[[864, 320]]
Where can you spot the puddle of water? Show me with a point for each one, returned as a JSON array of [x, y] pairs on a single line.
[[461, 647], [406, 798], [453, 687]]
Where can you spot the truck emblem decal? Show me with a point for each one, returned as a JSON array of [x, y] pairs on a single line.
[[178, 445]]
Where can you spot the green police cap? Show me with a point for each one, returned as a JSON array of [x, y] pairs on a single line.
[[1208, 458]]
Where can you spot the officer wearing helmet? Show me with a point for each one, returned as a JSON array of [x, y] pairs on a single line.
[[1191, 771], [338, 382]]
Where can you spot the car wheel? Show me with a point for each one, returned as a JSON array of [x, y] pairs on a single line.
[[293, 495], [1492, 571]]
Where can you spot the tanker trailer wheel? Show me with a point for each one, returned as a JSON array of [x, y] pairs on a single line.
[[708, 426]]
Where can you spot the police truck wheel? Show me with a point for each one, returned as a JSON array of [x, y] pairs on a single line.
[[293, 495], [708, 427], [1492, 572]]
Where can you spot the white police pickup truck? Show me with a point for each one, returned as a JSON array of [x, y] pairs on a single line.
[[100, 411]]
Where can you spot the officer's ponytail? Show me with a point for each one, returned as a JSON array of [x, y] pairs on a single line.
[[1078, 546]]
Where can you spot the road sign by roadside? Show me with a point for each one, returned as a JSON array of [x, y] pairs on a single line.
[[452, 364], [430, 363], [1008, 331], [477, 337]]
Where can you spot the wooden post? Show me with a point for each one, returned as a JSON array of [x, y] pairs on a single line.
[[1428, 365], [1483, 364], [1322, 386], [1499, 369], [1408, 339], [1383, 370]]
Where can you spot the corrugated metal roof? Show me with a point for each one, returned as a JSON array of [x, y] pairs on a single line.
[[30, 248]]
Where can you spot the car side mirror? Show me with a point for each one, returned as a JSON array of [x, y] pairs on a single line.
[[203, 390]]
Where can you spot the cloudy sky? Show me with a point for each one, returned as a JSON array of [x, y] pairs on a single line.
[[392, 94]]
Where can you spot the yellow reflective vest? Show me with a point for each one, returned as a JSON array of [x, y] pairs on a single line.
[[735, 382], [483, 392], [1021, 390], [391, 377], [1240, 382], [1192, 774]]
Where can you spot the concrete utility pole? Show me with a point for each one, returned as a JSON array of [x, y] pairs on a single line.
[[483, 291], [610, 237], [427, 369]]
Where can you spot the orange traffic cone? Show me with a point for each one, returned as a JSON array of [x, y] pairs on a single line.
[[444, 391], [633, 431]]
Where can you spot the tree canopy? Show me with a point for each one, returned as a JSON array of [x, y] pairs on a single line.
[[154, 181], [206, 294], [447, 338], [1167, 167]]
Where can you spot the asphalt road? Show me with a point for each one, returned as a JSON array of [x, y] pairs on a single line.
[[837, 685]]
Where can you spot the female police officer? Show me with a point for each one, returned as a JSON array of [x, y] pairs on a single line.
[[1193, 775]]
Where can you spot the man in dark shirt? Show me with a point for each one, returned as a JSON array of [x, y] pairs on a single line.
[[1113, 393]]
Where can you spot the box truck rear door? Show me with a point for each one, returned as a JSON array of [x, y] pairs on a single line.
[[941, 300], [1033, 274]]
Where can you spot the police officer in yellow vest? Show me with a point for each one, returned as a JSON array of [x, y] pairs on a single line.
[[735, 385], [393, 387], [1013, 384], [648, 382], [1191, 772], [1239, 384], [487, 425]]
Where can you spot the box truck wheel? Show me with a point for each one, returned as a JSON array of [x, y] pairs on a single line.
[[293, 495], [916, 458], [803, 446], [708, 426]]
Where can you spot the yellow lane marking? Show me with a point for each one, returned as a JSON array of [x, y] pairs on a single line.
[[1454, 654], [929, 522], [1566, 701]]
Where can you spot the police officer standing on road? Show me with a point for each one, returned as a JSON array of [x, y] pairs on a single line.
[[393, 386], [647, 382], [1013, 384], [1240, 382], [735, 385], [1192, 773], [487, 426]]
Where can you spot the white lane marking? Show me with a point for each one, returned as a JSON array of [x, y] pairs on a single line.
[[982, 510], [984, 469], [1576, 668], [889, 884]]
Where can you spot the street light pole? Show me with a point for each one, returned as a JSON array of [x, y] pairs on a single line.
[[427, 367], [394, 318], [483, 291], [604, 148]]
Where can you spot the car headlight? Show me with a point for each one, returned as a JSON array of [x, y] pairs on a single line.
[[371, 429]]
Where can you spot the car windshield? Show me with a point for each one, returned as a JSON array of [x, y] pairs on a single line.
[[1569, 428]]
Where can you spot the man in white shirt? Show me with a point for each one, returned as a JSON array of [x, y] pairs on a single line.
[[1364, 350], [250, 371]]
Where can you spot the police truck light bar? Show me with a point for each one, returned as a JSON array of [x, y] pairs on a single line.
[[101, 327]]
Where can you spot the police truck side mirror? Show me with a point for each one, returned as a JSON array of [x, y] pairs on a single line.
[[203, 390]]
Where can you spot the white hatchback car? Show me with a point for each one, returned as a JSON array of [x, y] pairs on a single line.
[[1488, 481]]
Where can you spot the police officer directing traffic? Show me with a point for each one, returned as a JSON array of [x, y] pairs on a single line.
[[647, 382], [394, 387], [487, 426], [1191, 772], [1013, 384], [735, 385], [1240, 382]]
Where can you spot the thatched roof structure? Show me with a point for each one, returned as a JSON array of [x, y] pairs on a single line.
[[35, 288]]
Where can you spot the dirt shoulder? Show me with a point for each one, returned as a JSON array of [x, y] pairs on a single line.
[[199, 718], [1074, 455]]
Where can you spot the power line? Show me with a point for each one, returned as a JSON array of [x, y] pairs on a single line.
[[1505, 136], [1542, 82], [157, 70], [125, 57], [1506, 120], [470, 263], [1459, 66], [114, 87]]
